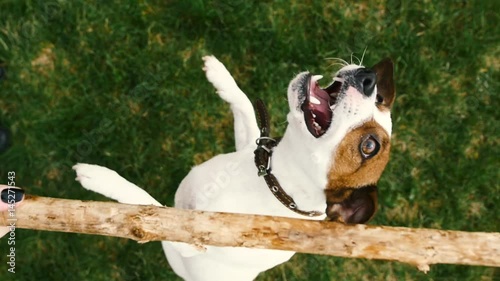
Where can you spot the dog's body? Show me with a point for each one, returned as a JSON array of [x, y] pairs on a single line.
[[328, 157]]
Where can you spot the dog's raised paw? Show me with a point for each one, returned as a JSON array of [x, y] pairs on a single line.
[[96, 178], [219, 76]]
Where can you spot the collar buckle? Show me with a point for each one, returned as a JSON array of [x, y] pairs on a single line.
[[263, 155]]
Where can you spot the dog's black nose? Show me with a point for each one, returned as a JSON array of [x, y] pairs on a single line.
[[366, 78]]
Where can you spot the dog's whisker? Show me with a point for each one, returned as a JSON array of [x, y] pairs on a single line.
[[355, 57], [339, 60], [363, 56], [337, 63]]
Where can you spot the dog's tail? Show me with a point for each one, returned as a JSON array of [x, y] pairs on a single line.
[[109, 183]]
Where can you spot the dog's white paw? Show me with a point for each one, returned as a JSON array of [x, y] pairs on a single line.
[[220, 77], [98, 179]]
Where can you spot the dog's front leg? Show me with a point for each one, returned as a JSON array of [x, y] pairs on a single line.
[[246, 130]]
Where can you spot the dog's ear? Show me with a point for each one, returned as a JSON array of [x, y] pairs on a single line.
[[351, 205], [385, 82]]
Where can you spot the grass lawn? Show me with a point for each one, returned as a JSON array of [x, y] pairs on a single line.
[[119, 83]]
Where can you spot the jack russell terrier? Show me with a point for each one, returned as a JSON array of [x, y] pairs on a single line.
[[327, 165]]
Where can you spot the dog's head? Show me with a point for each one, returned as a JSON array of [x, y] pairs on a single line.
[[347, 128]]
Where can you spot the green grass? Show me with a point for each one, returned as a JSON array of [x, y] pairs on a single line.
[[120, 84]]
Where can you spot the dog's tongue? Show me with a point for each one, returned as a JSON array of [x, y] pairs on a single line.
[[321, 104], [316, 108]]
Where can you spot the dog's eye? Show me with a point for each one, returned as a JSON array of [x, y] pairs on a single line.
[[369, 146], [379, 99]]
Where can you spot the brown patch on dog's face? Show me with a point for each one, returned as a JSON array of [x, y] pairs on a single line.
[[358, 164], [352, 166]]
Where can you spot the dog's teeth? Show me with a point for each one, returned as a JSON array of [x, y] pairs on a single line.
[[316, 77], [314, 100], [314, 115], [341, 80]]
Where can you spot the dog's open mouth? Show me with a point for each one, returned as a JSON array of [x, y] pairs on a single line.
[[318, 103]]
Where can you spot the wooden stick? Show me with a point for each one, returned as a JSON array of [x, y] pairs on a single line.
[[420, 247]]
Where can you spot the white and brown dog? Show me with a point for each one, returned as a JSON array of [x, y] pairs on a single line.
[[327, 164]]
